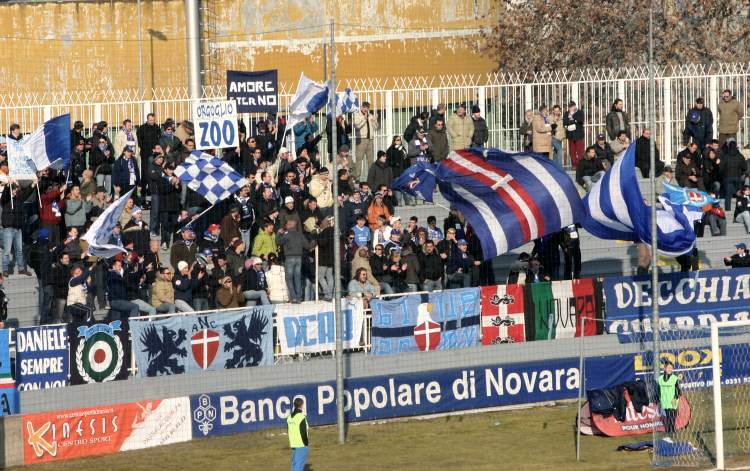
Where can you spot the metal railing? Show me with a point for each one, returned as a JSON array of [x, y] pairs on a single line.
[[503, 98]]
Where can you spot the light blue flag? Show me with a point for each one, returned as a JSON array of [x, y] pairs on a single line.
[[98, 234], [309, 98], [190, 344], [49, 146], [346, 102], [688, 196]]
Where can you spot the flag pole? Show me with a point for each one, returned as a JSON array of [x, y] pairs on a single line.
[[654, 235], [337, 261], [39, 194]]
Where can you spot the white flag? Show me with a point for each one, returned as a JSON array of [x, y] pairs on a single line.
[[98, 234]]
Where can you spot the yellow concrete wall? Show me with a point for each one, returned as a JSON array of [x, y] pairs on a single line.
[[92, 47]]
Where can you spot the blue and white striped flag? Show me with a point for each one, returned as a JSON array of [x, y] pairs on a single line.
[[615, 210], [209, 176], [346, 102], [309, 98], [98, 234], [49, 145]]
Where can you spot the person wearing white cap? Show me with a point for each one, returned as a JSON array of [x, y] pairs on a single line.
[[183, 285], [254, 284], [289, 211]]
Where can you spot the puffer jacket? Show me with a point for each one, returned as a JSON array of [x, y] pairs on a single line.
[[460, 131]]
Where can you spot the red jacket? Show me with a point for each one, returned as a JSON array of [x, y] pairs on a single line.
[[47, 215]]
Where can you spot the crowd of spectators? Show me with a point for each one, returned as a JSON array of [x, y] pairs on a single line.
[[274, 240]]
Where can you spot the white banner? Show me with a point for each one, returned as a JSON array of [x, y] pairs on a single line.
[[310, 327], [20, 164], [216, 125]]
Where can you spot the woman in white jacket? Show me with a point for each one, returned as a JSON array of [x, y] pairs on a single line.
[[278, 292]]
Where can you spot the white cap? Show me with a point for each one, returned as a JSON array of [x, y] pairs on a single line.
[[283, 150], [181, 265], [288, 199], [394, 219]]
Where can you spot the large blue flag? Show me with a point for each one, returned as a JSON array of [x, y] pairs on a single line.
[[418, 181], [615, 210], [688, 196], [508, 198], [189, 344], [435, 321], [49, 145]]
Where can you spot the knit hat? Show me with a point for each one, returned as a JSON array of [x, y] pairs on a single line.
[[475, 109], [182, 264], [288, 199]]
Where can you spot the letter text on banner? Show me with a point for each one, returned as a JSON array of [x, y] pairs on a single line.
[[75, 433], [310, 327], [254, 92], [215, 124], [42, 357]]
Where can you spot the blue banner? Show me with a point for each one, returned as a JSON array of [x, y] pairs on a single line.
[[685, 299], [8, 392], [435, 321], [42, 357], [189, 344], [254, 92], [404, 395]]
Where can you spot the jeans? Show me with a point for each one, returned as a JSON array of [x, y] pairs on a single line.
[[58, 310], [299, 458], [588, 182], [731, 185], [558, 151], [432, 285], [105, 181], [245, 235], [325, 280], [385, 288], [124, 308], [462, 279], [715, 188], [154, 222], [718, 225], [293, 275], [744, 218], [259, 295], [144, 307], [13, 238], [404, 199], [165, 308], [412, 287], [46, 294], [201, 304], [182, 306]]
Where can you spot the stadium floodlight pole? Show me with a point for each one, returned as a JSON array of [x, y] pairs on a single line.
[[140, 51], [652, 158], [336, 254], [195, 90]]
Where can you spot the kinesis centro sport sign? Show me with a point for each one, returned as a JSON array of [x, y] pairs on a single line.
[[215, 125]]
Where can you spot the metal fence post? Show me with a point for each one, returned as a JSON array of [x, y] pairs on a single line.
[[667, 110], [389, 115]]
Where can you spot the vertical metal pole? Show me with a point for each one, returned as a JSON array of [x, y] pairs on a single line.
[[193, 50], [581, 386], [140, 53], [317, 281], [326, 158], [337, 258], [654, 241], [718, 419]]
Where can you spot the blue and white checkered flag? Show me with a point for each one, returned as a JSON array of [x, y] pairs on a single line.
[[346, 102], [210, 177]]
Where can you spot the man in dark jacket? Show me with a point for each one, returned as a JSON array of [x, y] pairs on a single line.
[[431, 267], [118, 296], [254, 284], [148, 135], [603, 150], [326, 259], [590, 169], [416, 122], [185, 249], [380, 173], [481, 132], [183, 287], [687, 172], [155, 175], [732, 167], [13, 219], [294, 244], [41, 258], [643, 155], [617, 120], [739, 260], [439, 139], [699, 125], [573, 122], [125, 173]]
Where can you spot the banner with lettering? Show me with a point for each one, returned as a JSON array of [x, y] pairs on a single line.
[[503, 314], [254, 92], [431, 321], [42, 357], [311, 327], [99, 352], [553, 309], [8, 392], [685, 299], [189, 344]]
